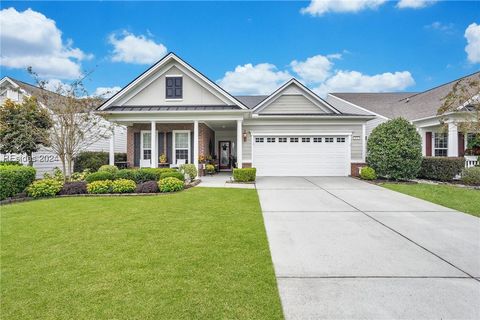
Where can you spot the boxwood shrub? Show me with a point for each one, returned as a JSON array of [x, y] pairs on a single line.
[[471, 176], [14, 179], [99, 176], [244, 174], [190, 170], [146, 174], [44, 188], [130, 174], [74, 187], [94, 160], [170, 184], [108, 168], [441, 168], [123, 186], [368, 173], [180, 176], [100, 187], [147, 187]]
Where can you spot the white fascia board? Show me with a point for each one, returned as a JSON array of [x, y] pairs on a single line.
[[357, 106], [320, 116], [7, 79], [307, 133]]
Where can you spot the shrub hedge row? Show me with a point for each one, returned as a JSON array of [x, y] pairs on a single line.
[[244, 174], [14, 179], [94, 160], [441, 168]]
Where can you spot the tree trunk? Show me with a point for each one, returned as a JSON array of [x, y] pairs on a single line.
[[30, 159]]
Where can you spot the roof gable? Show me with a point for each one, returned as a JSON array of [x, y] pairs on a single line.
[[170, 65], [294, 98]]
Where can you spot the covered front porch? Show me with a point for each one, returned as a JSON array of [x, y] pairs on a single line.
[[167, 143]]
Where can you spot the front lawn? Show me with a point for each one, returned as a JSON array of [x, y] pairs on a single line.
[[461, 199], [198, 254]]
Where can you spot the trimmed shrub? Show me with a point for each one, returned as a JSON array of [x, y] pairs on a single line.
[[170, 184], [368, 173], [99, 187], [44, 188], [108, 168], [394, 150], [180, 176], [123, 186], [99, 176], [441, 168], [10, 163], [147, 187], [57, 174], [471, 176], [244, 174], [146, 174], [75, 187], [80, 176], [14, 179], [190, 170], [130, 174], [94, 160]]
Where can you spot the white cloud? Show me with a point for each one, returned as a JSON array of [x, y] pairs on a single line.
[[106, 92], [261, 78], [320, 7], [414, 4], [439, 26], [314, 69], [354, 81], [29, 38], [140, 49], [472, 34]]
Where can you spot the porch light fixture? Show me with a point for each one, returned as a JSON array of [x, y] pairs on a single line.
[[244, 136]]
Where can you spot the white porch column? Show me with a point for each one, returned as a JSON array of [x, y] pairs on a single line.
[[421, 132], [111, 154], [452, 139], [364, 142], [239, 144], [195, 143], [154, 145]]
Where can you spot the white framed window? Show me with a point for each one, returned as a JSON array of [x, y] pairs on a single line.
[[328, 140], [341, 139], [317, 140], [181, 145], [146, 145], [440, 144], [305, 139], [294, 140], [270, 140], [283, 140], [258, 140]]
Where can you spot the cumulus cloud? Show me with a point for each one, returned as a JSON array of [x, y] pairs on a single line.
[[30, 39], [414, 4], [106, 92], [262, 78], [472, 34], [354, 81], [320, 7], [131, 48], [314, 69]]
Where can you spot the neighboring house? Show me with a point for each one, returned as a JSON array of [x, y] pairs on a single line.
[[440, 134], [45, 160], [175, 110]]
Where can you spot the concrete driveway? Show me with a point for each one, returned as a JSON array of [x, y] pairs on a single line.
[[346, 249]]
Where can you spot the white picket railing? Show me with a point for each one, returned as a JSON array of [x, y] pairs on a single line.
[[471, 161]]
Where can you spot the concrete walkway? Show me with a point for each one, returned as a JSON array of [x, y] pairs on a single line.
[[346, 249]]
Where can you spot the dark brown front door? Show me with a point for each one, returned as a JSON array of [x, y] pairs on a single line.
[[224, 149]]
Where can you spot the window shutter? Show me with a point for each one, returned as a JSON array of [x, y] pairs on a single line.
[[428, 144], [191, 147], [461, 144], [169, 147], [136, 149], [160, 144]]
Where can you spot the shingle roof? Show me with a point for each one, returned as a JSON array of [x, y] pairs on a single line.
[[409, 105], [250, 101]]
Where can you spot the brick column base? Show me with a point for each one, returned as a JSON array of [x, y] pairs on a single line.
[[355, 169]]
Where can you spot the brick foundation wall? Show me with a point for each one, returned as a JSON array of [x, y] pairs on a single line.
[[247, 164], [355, 169]]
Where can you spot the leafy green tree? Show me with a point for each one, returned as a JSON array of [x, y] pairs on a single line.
[[24, 127], [394, 150]]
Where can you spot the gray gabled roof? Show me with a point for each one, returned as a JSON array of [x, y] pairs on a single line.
[[409, 105], [251, 101]]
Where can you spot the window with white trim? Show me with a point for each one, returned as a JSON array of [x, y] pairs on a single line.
[[181, 146], [317, 139], [328, 140], [270, 140], [173, 87], [146, 145], [440, 144], [341, 139], [283, 140], [293, 139], [258, 140], [305, 139]]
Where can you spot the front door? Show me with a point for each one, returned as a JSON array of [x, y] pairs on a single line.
[[224, 148]]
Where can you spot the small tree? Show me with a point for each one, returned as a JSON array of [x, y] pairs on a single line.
[[76, 126], [394, 150], [24, 127]]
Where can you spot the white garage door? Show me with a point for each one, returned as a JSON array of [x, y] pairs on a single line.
[[307, 155]]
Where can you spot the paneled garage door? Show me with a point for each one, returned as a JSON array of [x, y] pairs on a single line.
[[326, 155]]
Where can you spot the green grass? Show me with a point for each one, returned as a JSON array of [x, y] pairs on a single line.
[[198, 254], [461, 199]]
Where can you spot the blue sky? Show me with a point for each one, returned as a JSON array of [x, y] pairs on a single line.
[[247, 47]]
